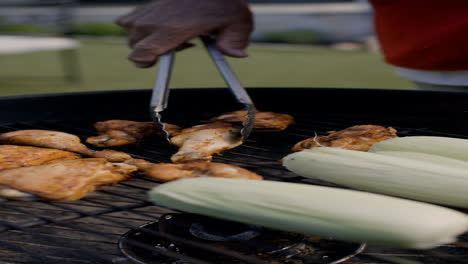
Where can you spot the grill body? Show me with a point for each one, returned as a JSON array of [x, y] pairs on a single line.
[[87, 231]]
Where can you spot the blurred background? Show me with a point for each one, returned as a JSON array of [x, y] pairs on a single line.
[[69, 46]]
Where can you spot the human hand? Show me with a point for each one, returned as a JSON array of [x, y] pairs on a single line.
[[162, 25]]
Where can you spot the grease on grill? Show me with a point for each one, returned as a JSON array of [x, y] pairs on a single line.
[[265, 244]]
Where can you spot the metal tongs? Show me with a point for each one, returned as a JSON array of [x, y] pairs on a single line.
[[161, 88]]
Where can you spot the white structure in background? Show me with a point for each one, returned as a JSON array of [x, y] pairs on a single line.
[[57, 13], [24, 44], [66, 47]]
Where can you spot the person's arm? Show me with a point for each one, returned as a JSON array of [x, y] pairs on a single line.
[[162, 25]]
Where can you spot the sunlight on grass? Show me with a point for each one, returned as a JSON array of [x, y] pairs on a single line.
[[104, 67]]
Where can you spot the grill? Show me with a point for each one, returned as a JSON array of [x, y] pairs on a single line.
[[119, 219]]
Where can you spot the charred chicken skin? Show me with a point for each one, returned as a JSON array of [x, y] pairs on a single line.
[[114, 133], [200, 143], [264, 121], [360, 138], [23, 156], [66, 180], [58, 140], [169, 172]]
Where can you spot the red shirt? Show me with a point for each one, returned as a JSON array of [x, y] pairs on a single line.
[[423, 34]]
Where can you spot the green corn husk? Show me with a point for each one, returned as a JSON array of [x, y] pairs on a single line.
[[455, 148], [434, 159], [316, 210], [398, 176]]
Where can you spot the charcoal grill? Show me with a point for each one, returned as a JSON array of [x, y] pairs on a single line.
[[88, 230]]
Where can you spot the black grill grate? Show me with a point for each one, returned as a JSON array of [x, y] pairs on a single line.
[[88, 230]]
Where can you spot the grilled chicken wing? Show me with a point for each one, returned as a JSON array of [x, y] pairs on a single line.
[[360, 138], [114, 133], [199, 143], [168, 172], [58, 140], [22, 156], [66, 180], [264, 121]]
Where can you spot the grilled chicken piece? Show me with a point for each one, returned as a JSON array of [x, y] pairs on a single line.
[[360, 138], [66, 180], [110, 155], [199, 143], [58, 140], [168, 172], [22, 156], [264, 121], [114, 133], [44, 138]]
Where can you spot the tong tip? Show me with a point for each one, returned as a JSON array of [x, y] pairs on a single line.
[[248, 124], [155, 114]]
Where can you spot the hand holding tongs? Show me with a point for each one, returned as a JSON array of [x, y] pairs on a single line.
[[161, 87]]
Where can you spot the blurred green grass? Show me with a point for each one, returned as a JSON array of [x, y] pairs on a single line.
[[104, 67], [98, 29], [23, 29]]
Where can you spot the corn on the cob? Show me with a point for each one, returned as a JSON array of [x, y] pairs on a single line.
[[399, 176], [455, 148], [434, 159], [315, 210]]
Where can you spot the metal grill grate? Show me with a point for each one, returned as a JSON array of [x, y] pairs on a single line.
[[88, 230]]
